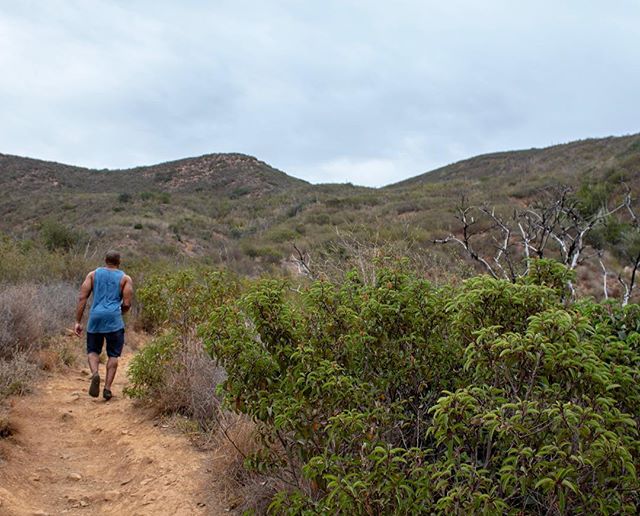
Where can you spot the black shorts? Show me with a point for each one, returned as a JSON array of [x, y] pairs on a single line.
[[115, 342]]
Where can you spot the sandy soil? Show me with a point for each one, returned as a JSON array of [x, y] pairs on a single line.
[[73, 454]]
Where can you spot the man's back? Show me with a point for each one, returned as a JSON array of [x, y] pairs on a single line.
[[106, 311]]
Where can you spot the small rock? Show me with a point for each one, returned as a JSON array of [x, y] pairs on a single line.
[[84, 503], [35, 478], [125, 482], [74, 476], [110, 496]]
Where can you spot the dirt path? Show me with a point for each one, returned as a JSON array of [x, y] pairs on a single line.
[[73, 454]]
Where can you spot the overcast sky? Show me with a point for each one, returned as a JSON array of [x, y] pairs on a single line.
[[368, 92]]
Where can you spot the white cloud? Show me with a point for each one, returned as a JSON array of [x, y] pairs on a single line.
[[369, 92], [371, 172]]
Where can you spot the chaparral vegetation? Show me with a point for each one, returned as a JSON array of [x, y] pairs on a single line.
[[467, 341], [391, 395]]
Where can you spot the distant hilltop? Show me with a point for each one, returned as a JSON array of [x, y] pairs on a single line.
[[238, 209]]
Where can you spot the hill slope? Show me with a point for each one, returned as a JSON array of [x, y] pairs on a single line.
[[567, 162], [219, 173], [236, 209]]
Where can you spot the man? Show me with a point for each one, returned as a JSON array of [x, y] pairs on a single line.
[[112, 295]]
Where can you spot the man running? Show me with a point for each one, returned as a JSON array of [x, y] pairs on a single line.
[[112, 295]]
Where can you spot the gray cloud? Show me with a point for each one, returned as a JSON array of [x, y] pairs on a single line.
[[364, 91]]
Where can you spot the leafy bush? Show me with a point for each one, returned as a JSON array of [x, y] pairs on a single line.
[[173, 370], [148, 367], [394, 396], [57, 236], [181, 300], [25, 261]]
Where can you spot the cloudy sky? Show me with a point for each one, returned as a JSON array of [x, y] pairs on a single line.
[[361, 91]]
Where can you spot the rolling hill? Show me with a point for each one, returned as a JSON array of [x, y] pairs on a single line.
[[236, 209], [569, 162]]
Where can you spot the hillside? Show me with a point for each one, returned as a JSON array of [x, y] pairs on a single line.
[[238, 210], [217, 173], [568, 162]]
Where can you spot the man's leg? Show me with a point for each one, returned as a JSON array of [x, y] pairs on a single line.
[[94, 362], [94, 348], [115, 343], [112, 367]]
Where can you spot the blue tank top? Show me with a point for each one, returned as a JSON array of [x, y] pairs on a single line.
[[106, 310]]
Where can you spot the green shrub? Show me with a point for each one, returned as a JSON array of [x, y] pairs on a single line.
[[148, 367], [396, 397], [173, 370], [181, 300], [57, 236]]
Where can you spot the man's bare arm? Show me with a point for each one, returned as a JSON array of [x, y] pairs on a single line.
[[85, 292], [127, 294]]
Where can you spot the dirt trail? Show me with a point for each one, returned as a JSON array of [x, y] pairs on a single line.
[[73, 454]]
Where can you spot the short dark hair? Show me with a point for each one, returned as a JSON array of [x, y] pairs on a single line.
[[112, 258]]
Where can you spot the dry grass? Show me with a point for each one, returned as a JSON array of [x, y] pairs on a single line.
[[6, 426], [30, 314], [189, 386], [243, 490], [61, 353], [17, 375]]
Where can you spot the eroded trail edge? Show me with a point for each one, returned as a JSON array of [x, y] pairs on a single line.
[[73, 454]]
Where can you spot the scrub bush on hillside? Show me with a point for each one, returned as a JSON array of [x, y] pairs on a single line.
[[30, 315], [173, 370], [399, 397]]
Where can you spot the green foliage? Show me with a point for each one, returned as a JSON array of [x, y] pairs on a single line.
[[551, 274], [30, 261], [592, 197], [148, 367], [57, 236], [396, 397], [180, 300]]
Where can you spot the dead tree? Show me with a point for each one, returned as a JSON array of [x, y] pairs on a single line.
[[302, 260], [553, 228], [468, 217], [630, 251]]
